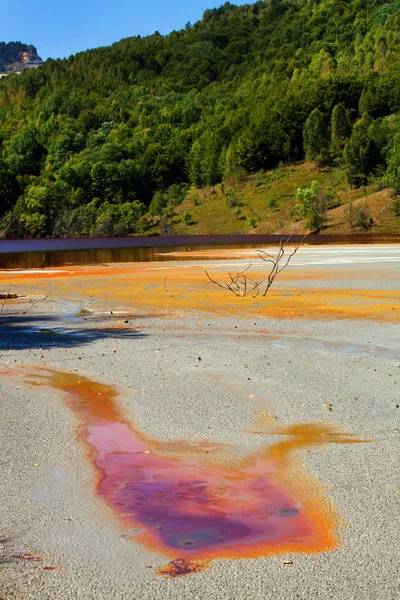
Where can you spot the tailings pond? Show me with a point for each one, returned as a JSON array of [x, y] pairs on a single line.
[[34, 254]]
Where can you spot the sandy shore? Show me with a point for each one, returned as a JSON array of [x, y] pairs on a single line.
[[323, 348]]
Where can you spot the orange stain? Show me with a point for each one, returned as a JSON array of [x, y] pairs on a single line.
[[141, 286], [198, 502]]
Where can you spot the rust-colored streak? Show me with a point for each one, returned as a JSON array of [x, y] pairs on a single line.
[[192, 502]]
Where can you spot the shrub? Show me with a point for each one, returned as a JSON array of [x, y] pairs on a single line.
[[237, 212], [360, 217], [332, 199], [273, 203], [252, 222], [395, 206], [187, 218], [233, 198], [193, 195]]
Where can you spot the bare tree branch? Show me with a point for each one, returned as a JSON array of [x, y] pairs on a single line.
[[241, 285], [276, 268]]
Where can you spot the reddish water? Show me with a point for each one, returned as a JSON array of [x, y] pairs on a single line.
[[186, 503]]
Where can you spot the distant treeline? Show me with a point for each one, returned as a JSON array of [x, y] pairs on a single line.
[[105, 141]]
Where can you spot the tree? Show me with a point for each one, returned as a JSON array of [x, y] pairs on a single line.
[[392, 177], [316, 137], [340, 127], [106, 219], [248, 151], [158, 204], [231, 169], [9, 189], [64, 146], [360, 153], [39, 207], [25, 153], [312, 205]]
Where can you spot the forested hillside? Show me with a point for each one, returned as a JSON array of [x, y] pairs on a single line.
[[109, 141]]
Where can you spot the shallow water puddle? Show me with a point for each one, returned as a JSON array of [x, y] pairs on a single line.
[[193, 503]]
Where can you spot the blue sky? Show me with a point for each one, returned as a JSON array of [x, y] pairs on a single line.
[[61, 28]]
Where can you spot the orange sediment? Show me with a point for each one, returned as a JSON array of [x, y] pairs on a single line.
[[143, 287], [192, 502]]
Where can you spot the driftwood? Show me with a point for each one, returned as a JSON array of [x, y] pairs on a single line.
[[241, 285], [4, 296]]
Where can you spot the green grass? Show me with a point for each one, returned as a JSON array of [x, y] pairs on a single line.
[[265, 199]]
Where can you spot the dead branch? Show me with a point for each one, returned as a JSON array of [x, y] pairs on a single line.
[[241, 285], [277, 267]]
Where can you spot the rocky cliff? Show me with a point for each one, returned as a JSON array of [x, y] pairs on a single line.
[[15, 56]]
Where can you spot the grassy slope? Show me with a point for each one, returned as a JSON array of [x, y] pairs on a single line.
[[212, 215]]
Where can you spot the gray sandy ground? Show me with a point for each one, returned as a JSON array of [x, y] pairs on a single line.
[[292, 371]]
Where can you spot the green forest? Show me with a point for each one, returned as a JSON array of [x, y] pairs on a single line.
[[111, 140]]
